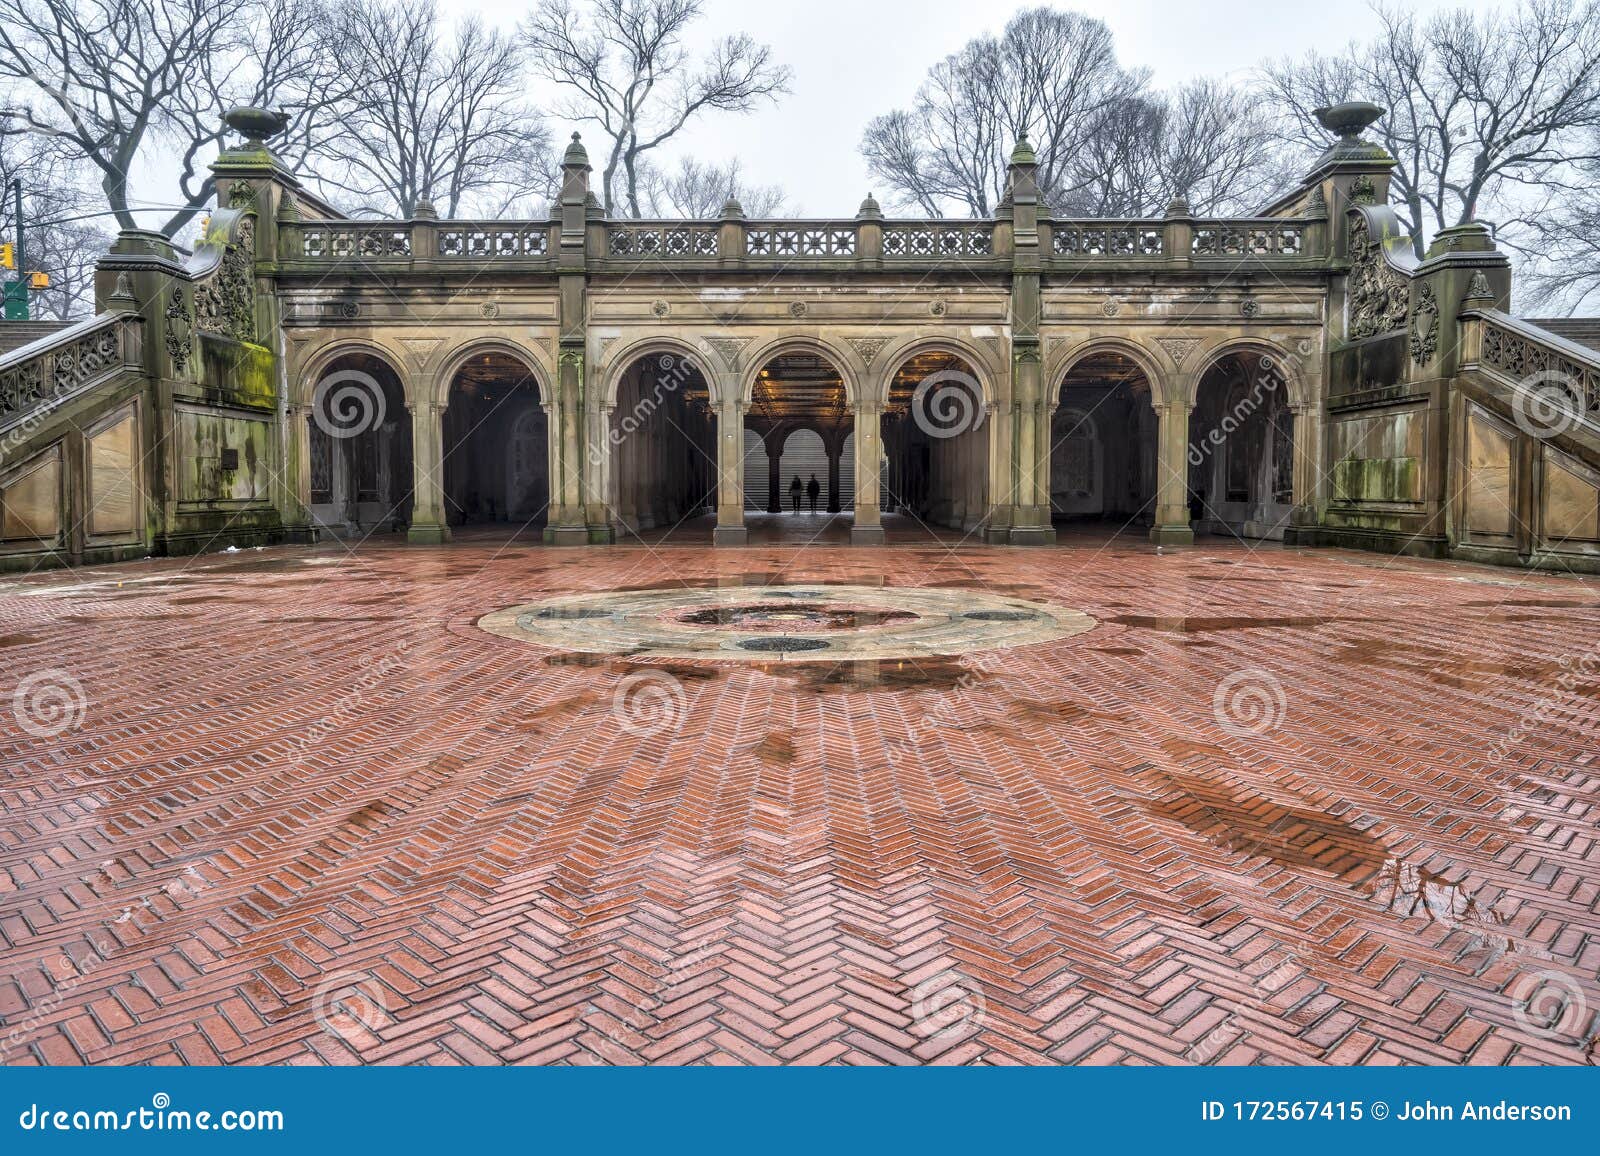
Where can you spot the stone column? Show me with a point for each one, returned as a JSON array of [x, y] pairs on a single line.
[[1171, 526], [429, 526], [774, 448], [868, 528], [730, 529], [835, 452], [1031, 520], [1307, 476]]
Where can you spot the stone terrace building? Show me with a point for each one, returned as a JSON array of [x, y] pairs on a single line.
[[1295, 376]]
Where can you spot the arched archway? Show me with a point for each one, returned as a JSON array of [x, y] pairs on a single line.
[[936, 441], [496, 443], [662, 436], [1241, 447], [757, 472], [1103, 442], [358, 446], [799, 405]]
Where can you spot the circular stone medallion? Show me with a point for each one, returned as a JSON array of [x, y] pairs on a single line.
[[812, 623]]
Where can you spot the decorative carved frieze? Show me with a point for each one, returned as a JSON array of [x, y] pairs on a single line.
[[1379, 294], [1178, 348], [868, 347], [180, 338], [1425, 325], [728, 349], [225, 302]]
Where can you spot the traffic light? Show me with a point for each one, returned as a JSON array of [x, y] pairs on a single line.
[[8, 256]]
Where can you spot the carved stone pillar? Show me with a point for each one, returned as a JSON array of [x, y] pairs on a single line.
[[774, 448], [1308, 496], [835, 453], [1031, 469], [429, 525], [868, 528], [1171, 526], [730, 529]]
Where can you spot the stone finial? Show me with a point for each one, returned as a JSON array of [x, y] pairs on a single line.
[[1348, 119], [255, 124], [1178, 206], [424, 210], [870, 209], [288, 208], [1023, 154], [1478, 289], [732, 210], [576, 155], [592, 208]]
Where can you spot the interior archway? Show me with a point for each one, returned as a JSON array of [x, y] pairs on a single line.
[[799, 408], [662, 445], [359, 448], [1103, 444], [1241, 449], [936, 442], [496, 445]]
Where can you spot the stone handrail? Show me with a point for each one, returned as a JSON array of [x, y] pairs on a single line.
[[1105, 237], [1249, 237], [788, 240], [737, 240], [1537, 363], [39, 376]]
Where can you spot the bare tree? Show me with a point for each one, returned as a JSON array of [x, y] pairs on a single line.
[[65, 226], [1051, 76], [1210, 144], [698, 190], [429, 115], [123, 82], [1486, 108], [625, 67]]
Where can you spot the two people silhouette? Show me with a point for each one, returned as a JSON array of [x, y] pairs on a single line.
[[813, 489]]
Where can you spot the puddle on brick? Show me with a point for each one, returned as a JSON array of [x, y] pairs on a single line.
[[17, 640], [936, 672], [1198, 625], [1252, 824], [619, 664], [1125, 651], [777, 747], [1554, 603], [1406, 889]]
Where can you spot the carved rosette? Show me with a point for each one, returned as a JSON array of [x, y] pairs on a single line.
[[225, 302], [1379, 294]]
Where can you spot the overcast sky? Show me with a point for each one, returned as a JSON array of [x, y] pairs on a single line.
[[855, 59]]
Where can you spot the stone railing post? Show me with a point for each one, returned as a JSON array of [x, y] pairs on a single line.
[[869, 234], [1177, 234], [730, 234]]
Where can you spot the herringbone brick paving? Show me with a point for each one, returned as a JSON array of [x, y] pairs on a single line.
[[311, 814]]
